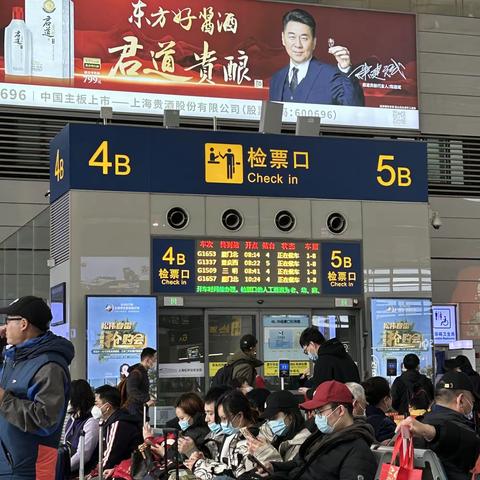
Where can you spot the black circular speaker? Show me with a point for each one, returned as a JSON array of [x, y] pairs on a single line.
[[285, 221], [177, 218], [232, 219], [336, 223]]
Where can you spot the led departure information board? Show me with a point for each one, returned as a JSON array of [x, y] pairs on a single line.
[[243, 266]]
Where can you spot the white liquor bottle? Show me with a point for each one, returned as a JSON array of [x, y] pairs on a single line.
[[18, 45]]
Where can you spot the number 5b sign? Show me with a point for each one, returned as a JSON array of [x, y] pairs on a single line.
[[341, 268]]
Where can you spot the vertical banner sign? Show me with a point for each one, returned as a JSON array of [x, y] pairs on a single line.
[[341, 268], [118, 329]]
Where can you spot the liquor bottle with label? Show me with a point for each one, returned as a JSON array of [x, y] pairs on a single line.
[[18, 45]]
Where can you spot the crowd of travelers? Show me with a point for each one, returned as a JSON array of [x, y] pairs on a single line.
[[327, 429]]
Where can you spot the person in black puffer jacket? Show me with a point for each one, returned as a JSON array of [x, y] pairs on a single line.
[[377, 392], [331, 361], [446, 429], [410, 384], [339, 450]]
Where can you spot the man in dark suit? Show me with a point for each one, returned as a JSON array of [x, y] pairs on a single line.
[[307, 80]]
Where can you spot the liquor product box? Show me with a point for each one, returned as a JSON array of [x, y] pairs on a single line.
[[51, 25]]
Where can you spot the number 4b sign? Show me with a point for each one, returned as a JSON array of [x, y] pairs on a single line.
[[341, 268]]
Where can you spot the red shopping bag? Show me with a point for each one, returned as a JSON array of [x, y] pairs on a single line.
[[404, 470]]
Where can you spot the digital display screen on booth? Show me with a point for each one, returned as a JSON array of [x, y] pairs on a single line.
[[57, 304], [254, 266], [444, 324], [399, 327], [118, 329]]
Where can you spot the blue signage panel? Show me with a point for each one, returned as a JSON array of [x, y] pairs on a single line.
[[341, 268], [173, 265], [118, 329], [224, 163], [400, 326]]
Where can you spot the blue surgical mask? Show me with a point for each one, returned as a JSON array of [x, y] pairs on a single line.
[[215, 428], [321, 421], [278, 427], [228, 429], [183, 424], [312, 356]]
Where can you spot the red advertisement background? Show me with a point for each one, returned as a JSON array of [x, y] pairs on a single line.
[[371, 37]]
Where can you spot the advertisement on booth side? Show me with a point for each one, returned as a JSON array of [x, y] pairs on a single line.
[[399, 327], [118, 329], [211, 59]]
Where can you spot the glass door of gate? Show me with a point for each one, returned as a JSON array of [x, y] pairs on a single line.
[[341, 325], [281, 335], [224, 333]]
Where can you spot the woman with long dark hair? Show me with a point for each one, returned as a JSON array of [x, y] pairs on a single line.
[[82, 400], [283, 432], [238, 420]]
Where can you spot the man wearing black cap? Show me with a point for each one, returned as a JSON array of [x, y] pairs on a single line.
[[245, 360], [34, 390], [447, 430]]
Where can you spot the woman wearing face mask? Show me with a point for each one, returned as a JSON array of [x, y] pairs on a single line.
[[212, 442], [284, 431], [379, 399], [341, 447], [81, 402], [236, 416], [189, 410]]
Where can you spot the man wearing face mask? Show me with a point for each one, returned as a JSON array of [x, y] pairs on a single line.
[[138, 384], [341, 447], [121, 432], [447, 429], [330, 360]]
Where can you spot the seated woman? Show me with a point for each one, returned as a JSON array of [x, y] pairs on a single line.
[[189, 410], [238, 420], [214, 439], [284, 431], [81, 403], [379, 399]]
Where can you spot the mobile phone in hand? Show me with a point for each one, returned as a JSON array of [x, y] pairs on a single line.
[[257, 462]]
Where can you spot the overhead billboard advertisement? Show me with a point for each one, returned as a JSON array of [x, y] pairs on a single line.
[[118, 329], [399, 327], [211, 59]]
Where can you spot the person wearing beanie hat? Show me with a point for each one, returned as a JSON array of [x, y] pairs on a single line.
[[340, 449], [245, 362], [34, 390], [448, 429]]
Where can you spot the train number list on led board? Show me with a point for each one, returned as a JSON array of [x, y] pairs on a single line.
[[233, 266]]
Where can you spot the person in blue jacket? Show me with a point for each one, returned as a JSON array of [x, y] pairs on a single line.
[[306, 79], [34, 391]]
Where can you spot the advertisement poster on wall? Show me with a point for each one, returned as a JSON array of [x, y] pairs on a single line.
[[118, 329], [400, 326], [211, 59]]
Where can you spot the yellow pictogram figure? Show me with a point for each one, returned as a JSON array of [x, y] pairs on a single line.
[[223, 163]]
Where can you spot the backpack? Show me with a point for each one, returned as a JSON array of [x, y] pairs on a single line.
[[122, 388], [224, 375]]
